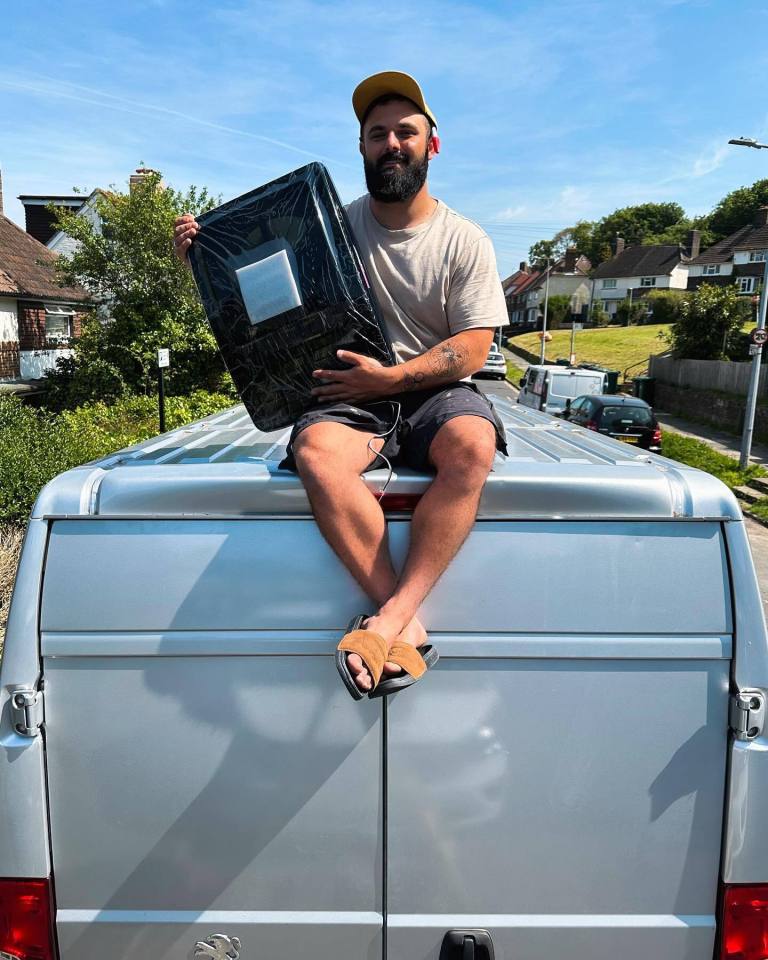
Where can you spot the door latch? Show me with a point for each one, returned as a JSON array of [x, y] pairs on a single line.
[[467, 945], [747, 714]]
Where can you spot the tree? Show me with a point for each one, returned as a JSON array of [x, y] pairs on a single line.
[[737, 209], [637, 225], [558, 309], [710, 322], [146, 299], [576, 236], [666, 305]]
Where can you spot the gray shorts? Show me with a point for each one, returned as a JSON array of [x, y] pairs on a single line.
[[407, 421]]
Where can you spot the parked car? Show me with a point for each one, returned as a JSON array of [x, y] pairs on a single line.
[[549, 386], [583, 774], [495, 367], [624, 418]]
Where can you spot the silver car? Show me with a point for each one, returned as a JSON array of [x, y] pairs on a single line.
[[495, 367]]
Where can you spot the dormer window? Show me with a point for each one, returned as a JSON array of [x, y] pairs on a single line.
[[647, 281], [757, 256], [609, 284], [711, 269]]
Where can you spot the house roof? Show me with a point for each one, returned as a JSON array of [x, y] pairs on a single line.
[[649, 260], [28, 268], [529, 282], [512, 281], [723, 250]]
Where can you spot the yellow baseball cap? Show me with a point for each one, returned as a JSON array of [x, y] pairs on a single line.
[[391, 81]]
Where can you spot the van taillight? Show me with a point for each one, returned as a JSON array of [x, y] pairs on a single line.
[[401, 502], [656, 435], [744, 923], [26, 920]]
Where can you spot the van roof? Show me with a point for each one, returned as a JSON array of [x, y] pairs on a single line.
[[222, 466]]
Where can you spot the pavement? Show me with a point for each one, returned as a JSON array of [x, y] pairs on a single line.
[[725, 443]]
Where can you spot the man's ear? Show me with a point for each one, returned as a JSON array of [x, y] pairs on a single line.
[[361, 148], [434, 145]]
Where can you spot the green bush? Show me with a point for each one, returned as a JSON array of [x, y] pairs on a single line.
[[666, 305], [36, 445], [632, 315]]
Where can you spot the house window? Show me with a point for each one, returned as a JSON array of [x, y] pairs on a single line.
[[607, 305], [58, 323], [647, 281], [746, 284], [609, 284], [757, 256], [710, 269]]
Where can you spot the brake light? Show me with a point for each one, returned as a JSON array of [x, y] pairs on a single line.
[[26, 920], [656, 435], [744, 923], [590, 425], [401, 502]]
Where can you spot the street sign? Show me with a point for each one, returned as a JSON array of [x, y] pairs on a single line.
[[755, 348], [578, 326], [163, 358]]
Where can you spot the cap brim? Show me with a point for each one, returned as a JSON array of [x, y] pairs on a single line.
[[389, 82]]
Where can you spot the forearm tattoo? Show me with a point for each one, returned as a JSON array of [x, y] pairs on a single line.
[[445, 360]]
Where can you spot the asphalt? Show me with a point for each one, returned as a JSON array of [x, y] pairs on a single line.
[[722, 442]]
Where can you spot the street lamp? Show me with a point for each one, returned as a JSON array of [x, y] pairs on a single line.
[[757, 348], [748, 142], [544, 324]]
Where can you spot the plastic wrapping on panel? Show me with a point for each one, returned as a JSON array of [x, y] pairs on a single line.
[[284, 288]]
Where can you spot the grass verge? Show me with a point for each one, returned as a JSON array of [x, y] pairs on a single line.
[[697, 454], [614, 347], [514, 373]]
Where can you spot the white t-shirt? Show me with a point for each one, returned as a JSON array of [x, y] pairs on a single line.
[[432, 280]]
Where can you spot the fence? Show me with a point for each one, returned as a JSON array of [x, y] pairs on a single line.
[[723, 375]]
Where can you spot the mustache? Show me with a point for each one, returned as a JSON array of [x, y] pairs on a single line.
[[388, 157]]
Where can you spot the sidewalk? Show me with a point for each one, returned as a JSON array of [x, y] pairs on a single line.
[[722, 442]]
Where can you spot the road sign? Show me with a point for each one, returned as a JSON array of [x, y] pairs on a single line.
[[163, 358], [755, 348]]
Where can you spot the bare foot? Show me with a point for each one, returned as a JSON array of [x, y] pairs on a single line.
[[413, 633]]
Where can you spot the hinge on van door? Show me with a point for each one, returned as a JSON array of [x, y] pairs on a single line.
[[747, 714], [27, 710]]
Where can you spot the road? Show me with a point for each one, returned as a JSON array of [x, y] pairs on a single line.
[[758, 534]]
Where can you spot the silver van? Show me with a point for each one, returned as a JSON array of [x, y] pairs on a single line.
[[549, 386], [583, 775]]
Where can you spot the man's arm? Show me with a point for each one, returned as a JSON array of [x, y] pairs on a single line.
[[450, 360]]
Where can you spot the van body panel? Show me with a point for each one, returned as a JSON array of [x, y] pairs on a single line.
[[547, 386], [630, 570], [746, 838], [515, 797], [23, 806], [195, 575], [211, 783]]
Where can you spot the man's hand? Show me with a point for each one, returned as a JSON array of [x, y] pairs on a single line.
[[366, 380], [185, 229]]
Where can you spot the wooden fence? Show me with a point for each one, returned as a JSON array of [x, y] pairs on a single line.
[[721, 375]]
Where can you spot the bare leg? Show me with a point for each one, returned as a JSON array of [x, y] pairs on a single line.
[[462, 453], [330, 458]]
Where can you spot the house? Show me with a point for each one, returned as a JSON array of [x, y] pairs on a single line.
[[567, 276], [515, 288], [738, 259], [38, 318], [634, 271]]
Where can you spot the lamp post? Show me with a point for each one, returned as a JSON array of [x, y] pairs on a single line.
[[544, 324], [757, 345]]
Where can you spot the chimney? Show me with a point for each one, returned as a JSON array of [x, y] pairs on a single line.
[[571, 256], [523, 264], [761, 217], [618, 245], [693, 244], [138, 177]]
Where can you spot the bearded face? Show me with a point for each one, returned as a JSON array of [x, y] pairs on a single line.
[[394, 176]]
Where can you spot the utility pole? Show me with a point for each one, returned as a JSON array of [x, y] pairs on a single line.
[[544, 324], [756, 348]]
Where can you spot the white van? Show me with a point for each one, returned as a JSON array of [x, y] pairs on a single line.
[[547, 386], [584, 773]]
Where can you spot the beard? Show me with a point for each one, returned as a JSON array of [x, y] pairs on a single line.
[[395, 184]]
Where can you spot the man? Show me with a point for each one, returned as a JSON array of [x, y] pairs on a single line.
[[434, 275]]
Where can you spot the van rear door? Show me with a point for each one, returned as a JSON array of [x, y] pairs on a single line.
[[207, 771], [558, 779]]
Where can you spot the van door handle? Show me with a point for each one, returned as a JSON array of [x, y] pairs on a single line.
[[467, 945]]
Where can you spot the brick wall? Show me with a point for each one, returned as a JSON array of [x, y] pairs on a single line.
[[9, 361], [31, 325], [718, 410]]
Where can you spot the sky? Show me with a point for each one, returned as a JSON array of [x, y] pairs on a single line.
[[548, 113]]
